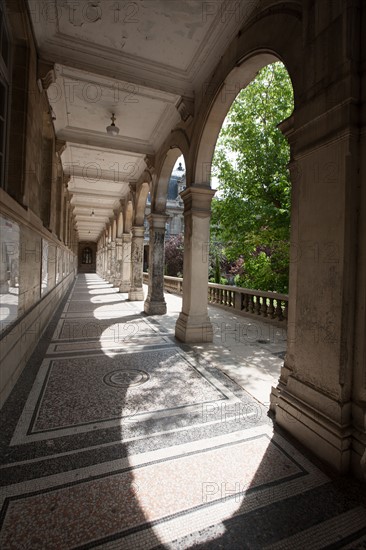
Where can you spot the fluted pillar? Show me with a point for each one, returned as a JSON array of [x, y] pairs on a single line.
[[193, 324], [155, 303], [136, 292]]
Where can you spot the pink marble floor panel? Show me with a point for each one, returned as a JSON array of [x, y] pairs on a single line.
[[80, 513]]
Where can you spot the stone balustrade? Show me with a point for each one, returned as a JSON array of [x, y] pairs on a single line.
[[271, 306]]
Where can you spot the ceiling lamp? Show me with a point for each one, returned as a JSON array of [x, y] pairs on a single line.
[[92, 213], [112, 130]]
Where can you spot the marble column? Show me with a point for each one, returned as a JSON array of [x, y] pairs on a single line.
[[193, 324], [125, 263], [155, 303], [136, 292]]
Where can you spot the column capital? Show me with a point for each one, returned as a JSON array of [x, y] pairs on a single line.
[[126, 237], [138, 231], [197, 200], [157, 221]]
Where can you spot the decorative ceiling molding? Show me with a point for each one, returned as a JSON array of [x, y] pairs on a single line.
[[110, 66], [185, 107], [46, 73], [119, 87], [164, 125], [60, 146], [100, 193], [137, 147], [150, 162], [223, 18]]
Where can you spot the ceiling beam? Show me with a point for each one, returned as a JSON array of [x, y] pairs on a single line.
[[129, 146]]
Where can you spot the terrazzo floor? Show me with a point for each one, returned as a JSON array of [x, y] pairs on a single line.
[[117, 436]]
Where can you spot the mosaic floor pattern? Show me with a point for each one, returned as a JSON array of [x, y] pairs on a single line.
[[140, 442]]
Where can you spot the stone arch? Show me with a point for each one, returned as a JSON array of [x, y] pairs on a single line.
[[127, 216], [177, 145], [140, 203], [114, 229], [159, 198], [119, 224], [258, 44]]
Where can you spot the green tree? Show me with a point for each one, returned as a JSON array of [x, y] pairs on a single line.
[[251, 214], [174, 252]]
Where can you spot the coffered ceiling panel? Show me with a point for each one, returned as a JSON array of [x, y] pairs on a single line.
[[136, 59]]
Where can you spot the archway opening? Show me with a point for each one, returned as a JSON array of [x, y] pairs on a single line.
[[166, 199], [250, 223]]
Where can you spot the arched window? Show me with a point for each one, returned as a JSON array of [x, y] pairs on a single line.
[[87, 256]]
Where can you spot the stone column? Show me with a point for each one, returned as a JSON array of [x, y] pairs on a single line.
[[66, 225], [313, 400], [136, 292], [193, 324], [155, 303], [125, 263], [4, 284], [113, 275], [104, 260], [109, 257]]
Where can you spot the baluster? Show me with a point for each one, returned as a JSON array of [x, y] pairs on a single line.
[[285, 312], [264, 307], [250, 304], [257, 307], [279, 310], [270, 309]]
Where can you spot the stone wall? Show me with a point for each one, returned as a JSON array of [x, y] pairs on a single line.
[[37, 255]]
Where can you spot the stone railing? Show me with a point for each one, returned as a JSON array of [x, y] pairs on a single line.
[[173, 285], [271, 306]]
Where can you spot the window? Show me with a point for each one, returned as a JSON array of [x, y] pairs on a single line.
[[87, 256], [4, 91]]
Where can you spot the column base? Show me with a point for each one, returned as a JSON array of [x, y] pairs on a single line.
[[124, 287], [136, 295], [188, 329], [4, 287], [321, 424], [154, 308]]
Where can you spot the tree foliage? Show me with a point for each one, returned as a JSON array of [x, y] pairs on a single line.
[[174, 251], [251, 213]]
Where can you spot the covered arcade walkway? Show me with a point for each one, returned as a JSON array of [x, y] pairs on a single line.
[[118, 436]]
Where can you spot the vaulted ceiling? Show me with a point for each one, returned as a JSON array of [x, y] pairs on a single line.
[[134, 59]]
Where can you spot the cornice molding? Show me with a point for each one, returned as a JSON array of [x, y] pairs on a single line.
[[46, 73]]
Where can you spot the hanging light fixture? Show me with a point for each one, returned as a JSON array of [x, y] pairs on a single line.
[[112, 129]]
